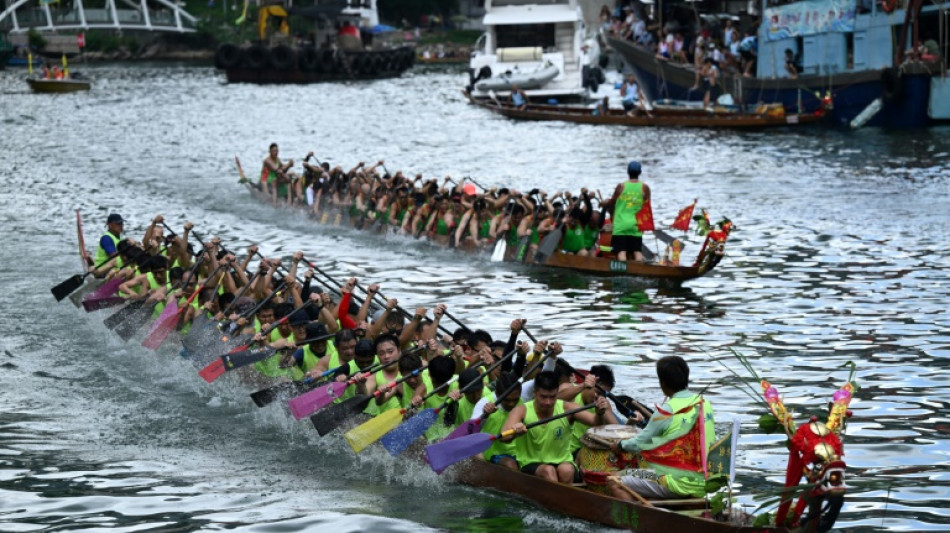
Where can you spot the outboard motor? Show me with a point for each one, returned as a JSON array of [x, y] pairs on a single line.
[[483, 73]]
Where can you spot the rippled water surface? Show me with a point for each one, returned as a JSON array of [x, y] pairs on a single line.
[[840, 255]]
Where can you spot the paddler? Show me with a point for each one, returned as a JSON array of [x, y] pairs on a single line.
[[672, 421], [584, 393], [545, 450], [629, 197], [274, 180], [109, 242], [500, 453]]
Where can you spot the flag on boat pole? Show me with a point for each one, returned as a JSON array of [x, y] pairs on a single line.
[[685, 215], [645, 217]]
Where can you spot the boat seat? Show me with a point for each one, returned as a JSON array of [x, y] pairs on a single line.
[[519, 54]]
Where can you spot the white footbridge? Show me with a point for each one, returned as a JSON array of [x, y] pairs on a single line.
[[19, 16]]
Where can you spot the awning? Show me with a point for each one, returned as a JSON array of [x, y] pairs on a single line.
[[531, 14]]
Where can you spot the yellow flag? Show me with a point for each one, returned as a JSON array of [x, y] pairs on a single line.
[[29, 60], [65, 68]]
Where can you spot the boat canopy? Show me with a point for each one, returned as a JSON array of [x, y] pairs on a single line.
[[533, 14]]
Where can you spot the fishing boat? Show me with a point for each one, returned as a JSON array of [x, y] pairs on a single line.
[[854, 57], [524, 40], [760, 116], [337, 49], [71, 85]]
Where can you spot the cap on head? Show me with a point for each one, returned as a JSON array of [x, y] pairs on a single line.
[[469, 189], [315, 330], [115, 218], [633, 167], [299, 318]]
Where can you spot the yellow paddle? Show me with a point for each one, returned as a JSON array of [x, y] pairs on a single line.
[[371, 431]]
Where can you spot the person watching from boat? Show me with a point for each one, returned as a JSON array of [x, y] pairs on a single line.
[[519, 100], [628, 198], [748, 51], [791, 66], [274, 179], [710, 74], [545, 450], [109, 242], [658, 476], [632, 97]]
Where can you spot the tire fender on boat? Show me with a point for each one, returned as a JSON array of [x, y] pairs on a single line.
[[282, 57], [308, 59], [227, 56], [256, 57], [891, 83]]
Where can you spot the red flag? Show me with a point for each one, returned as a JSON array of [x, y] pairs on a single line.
[[645, 217], [687, 452], [684, 217]]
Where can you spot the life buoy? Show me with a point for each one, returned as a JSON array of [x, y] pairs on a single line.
[[889, 5], [255, 57], [891, 83], [308, 59], [227, 56], [282, 57]]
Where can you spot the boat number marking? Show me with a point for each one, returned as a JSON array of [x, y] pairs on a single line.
[[624, 515], [618, 266]]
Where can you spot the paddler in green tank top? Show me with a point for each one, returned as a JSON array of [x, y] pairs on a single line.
[[387, 350], [584, 393], [274, 180], [545, 450], [673, 420], [439, 372], [109, 243], [629, 197], [500, 453]]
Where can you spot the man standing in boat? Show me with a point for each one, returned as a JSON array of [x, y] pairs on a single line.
[[629, 197], [108, 243]]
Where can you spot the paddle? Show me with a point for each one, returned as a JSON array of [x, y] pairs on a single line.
[[66, 287], [166, 322], [442, 455], [501, 244], [305, 404], [104, 296], [135, 320], [471, 426], [375, 428], [267, 396], [88, 288], [549, 244], [397, 440], [326, 420], [230, 361]]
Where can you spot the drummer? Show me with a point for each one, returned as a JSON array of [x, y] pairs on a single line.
[[661, 481]]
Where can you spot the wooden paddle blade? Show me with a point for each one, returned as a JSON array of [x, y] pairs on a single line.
[[369, 432], [67, 287], [549, 245], [113, 320], [330, 418], [467, 428], [109, 288], [500, 248], [305, 404], [162, 327], [101, 303], [522, 250], [78, 295], [444, 454], [213, 371], [397, 440]]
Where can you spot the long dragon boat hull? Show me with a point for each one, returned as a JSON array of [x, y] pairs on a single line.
[[685, 119], [597, 266], [58, 86], [593, 506]]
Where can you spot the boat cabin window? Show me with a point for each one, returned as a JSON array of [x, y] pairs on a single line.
[[517, 35]]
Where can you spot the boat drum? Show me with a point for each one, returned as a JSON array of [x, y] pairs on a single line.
[[596, 459]]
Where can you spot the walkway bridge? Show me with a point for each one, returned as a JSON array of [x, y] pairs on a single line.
[[19, 16]]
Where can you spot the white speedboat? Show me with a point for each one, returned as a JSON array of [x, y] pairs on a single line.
[[542, 42]]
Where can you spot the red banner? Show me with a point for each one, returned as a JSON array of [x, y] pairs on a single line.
[[645, 217], [81, 40], [684, 217]]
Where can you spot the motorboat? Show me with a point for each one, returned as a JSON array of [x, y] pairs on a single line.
[[541, 42]]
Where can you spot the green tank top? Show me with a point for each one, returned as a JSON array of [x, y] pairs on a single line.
[[392, 403], [441, 228], [573, 240], [625, 212], [102, 256], [484, 229], [438, 430], [550, 443], [466, 408], [579, 428], [493, 425]]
